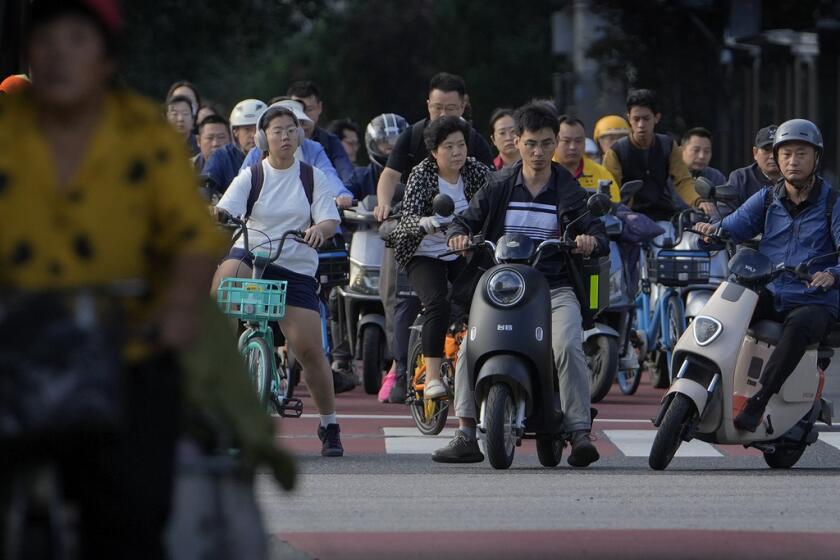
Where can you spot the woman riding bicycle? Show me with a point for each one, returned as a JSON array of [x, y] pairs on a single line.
[[418, 241], [282, 205]]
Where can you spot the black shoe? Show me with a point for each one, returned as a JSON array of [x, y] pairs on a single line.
[[398, 391], [343, 381], [583, 451], [330, 441], [461, 449], [749, 418]]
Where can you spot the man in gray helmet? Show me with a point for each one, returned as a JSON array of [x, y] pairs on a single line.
[[799, 220]]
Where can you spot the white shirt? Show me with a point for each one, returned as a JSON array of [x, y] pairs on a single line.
[[282, 206], [434, 244]]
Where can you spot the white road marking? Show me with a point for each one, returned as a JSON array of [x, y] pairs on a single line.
[[637, 443], [455, 420], [409, 441], [831, 438]]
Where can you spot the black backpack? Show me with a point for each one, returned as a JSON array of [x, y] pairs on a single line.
[[307, 177]]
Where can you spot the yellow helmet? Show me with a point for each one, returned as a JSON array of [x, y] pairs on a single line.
[[611, 124]]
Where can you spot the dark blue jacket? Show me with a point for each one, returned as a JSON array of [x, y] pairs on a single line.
[[364, 179], [224, 165], [748, 181], [790, 241], [335, 152]]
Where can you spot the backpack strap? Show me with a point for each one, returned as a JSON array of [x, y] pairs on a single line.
[[829, 211], [257, 180], [307, 178], [667, 144]]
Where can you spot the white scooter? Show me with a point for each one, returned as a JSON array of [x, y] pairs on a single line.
[[720, 358]]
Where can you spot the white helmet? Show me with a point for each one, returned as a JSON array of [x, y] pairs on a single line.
[[591, 148], [246, 113]]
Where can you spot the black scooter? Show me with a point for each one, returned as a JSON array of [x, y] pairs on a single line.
[[509, 354]]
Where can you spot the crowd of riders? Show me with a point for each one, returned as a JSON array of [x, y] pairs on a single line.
[[274, 165], [536, 161]]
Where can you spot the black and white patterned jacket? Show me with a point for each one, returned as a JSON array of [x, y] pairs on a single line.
[[420, 190]]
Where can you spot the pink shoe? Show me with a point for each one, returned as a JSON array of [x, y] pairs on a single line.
[[389, 381]]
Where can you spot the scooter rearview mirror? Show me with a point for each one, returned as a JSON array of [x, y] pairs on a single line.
[[443, 205], [604, 186], [704, 188], [599, 205], [726, 192], [631, 188]]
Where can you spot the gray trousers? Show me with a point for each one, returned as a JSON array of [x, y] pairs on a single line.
[[572, 371]]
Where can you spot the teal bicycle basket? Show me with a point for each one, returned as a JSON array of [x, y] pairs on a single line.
[[253, 300]]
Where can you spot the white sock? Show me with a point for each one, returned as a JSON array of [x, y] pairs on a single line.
[[327, 419]]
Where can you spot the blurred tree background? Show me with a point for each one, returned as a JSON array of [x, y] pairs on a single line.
[[710, 60], [367, 56]]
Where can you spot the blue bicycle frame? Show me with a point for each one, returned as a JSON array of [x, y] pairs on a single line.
[[657, 326]]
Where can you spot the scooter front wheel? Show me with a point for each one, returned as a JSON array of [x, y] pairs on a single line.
[[628, 381], [602, 358], [669, 435], [499, 423]]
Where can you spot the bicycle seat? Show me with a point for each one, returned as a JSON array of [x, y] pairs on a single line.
[[769, 332]]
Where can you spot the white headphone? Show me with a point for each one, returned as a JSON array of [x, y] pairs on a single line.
[[261, 140]]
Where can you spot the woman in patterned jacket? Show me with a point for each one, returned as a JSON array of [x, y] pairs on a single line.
[[418, 241]]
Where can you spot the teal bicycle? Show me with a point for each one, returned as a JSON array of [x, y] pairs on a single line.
[[259, 304]]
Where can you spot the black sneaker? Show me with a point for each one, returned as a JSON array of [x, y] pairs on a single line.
[[583, 450], [343, 381], [398, 391], [462, 449], [749, 418], [330, 441]]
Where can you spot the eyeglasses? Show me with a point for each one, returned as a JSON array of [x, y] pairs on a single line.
[[176, 114], [291, 132], [438, 108]]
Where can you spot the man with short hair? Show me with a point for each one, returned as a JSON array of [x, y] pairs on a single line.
[[696, 147], [447, 93], [652, 158], [763, 172], [223, 165], [213, 133], [310, 96], [571, 143], [529, 198], [350, 135]]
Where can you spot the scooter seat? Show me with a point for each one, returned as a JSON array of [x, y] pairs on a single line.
[[769, 332]]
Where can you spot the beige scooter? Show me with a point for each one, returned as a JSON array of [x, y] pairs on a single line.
[[719, 360]]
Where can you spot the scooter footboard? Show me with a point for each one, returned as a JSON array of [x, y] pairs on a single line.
[[505, 368]]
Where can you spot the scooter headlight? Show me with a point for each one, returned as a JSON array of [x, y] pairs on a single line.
[[364, 280], [706, 330], [506, 287]]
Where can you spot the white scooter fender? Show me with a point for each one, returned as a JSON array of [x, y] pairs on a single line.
[[730, 308]]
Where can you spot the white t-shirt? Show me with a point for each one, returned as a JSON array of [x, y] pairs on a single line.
[[282, 206], [435, 243]]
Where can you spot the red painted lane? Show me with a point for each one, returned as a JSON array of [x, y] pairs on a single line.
[[589, 544]]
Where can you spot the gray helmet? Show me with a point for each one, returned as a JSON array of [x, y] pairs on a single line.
[[798, 130], [383, 128]]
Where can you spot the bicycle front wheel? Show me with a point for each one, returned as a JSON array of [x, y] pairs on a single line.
[[258, 359]]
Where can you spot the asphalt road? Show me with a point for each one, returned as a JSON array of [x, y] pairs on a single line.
[[387, 499]]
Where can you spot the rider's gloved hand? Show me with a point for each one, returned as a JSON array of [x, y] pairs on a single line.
[[429, 224]]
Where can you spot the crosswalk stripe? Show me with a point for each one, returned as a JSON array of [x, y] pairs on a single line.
[[637, 443], [831, 438], [409, 441]]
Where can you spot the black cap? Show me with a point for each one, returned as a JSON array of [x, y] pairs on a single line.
[[764, 137]]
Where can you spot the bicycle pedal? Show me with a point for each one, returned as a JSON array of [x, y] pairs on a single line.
[[292, 408]]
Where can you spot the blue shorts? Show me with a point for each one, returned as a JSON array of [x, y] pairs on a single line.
[[301, 290]]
